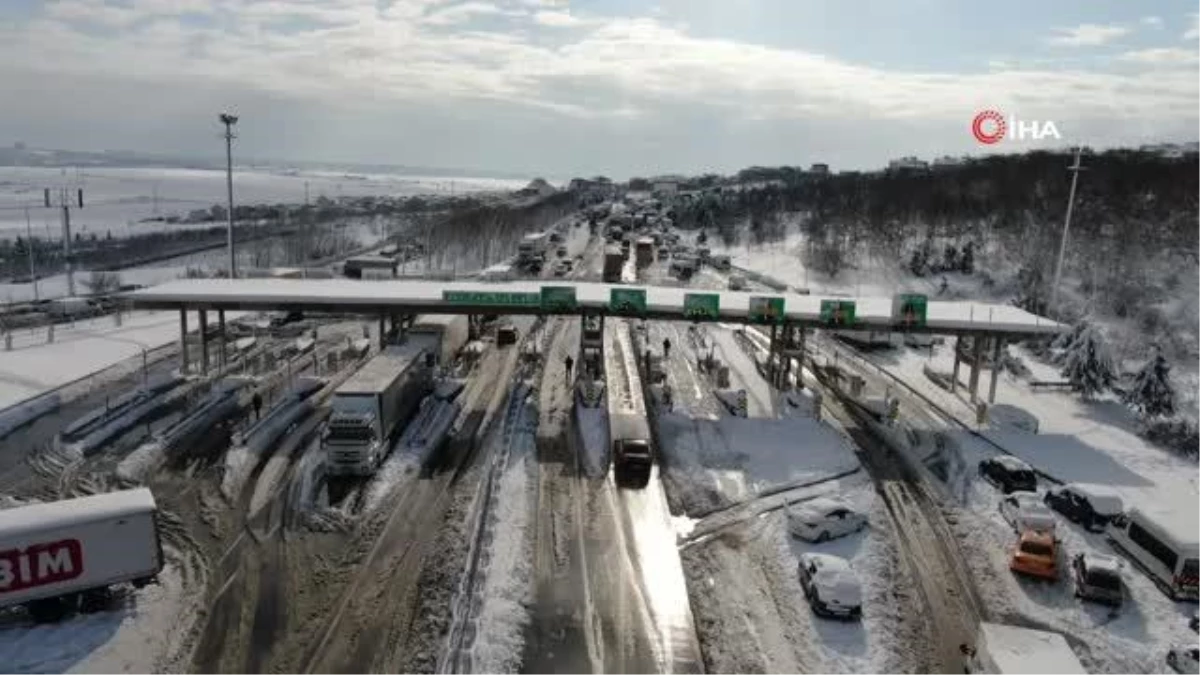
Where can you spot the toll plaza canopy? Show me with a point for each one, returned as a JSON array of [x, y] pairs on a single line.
[[533, 297]]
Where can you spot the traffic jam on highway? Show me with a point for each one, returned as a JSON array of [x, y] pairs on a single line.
[[565, 493]]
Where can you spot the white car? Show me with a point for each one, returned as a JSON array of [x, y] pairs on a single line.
[[1184, 659], [1024, 511], [822, 519], [831, 586]]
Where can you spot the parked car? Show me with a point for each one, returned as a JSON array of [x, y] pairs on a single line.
[[822, 519], [737, 282], [1035, 554], [1164, 544], [1008, 474], [831, 586], [1184, 659], [1098, 578], [1024, 511], [286, 318], [1092, 506]]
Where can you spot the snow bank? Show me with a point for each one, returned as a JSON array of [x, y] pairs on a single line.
[[592, 424], [714, 463], [21, 414]]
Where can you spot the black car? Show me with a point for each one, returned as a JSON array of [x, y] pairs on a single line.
[[1092, 506], [1008, 474], [291, 317]]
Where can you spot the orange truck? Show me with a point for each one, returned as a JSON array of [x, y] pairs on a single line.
[[1035, 554]]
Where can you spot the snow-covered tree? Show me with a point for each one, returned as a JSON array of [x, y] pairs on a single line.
[[1151, 392], [1088, 365], [966, 262]]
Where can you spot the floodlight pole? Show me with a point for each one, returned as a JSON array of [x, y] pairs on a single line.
[[1062, 245], [230, 120]]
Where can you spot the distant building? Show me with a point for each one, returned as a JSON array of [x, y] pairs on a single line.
[[819, 170], [908, 164], [665, 188], [947, 162]]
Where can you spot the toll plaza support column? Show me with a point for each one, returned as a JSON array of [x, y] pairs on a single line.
[[224, 339], [204, 341], [957, 360], [183, 352], [771, 356], [800, 363], [382, 331], [977, 358], [789, 344], [997, 347]]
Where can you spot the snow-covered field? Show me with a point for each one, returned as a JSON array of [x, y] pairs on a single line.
[[116, 198]]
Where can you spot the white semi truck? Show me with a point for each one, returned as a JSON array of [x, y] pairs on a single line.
[[373, 405], [56, 557]]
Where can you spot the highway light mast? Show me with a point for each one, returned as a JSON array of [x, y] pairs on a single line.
[[1062, 245], [230, 120], [64, 202]]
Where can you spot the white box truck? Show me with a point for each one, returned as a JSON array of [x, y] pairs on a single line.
[[56, 555], [372, 405], [449, 333], [1001, 648]]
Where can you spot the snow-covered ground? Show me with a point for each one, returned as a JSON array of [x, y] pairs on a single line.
[[115, 199], [752, 613], [1076, 441]]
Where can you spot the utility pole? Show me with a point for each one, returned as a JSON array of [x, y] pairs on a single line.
[[230, 120], [65, 204], [1062, 245], [29, 245]]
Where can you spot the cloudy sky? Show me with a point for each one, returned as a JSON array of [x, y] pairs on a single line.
[[568, 87]]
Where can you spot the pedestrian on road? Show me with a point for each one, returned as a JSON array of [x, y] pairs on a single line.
[[666, 349], [570, 363], [257, 403]]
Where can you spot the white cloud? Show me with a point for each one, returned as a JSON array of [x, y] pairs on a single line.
[[1087, 35], [557, 19], [613, 72], [1152, 21], [455, 14], [1161, 56], [1193, 32]]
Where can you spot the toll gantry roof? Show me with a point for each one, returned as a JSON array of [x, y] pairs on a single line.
[[421, 296]]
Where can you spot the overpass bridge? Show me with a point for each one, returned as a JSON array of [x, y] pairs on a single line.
[[788, 315]]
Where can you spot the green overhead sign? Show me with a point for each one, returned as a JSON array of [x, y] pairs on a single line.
[[492, 298], [909, 309], [837, 312], [701, 305], [627, 300], [766, 309], [558, 298]]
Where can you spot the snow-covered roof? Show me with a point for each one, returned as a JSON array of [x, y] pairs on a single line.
[[1011, 463], [1024, 650], [1179, 524], [424, 296], [1104, 500], [380, 371], [818, 505], [1101, 562], [46, 516]]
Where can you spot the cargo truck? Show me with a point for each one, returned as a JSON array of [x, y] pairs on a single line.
[[57, 557], [373, 404], [644, 254], [614, 261], [628, 428], [449, 331], [1000, 648]]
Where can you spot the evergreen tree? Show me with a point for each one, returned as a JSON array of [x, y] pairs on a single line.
[[966, 262], [917, 263], [950, 258], [1088, 365], [1151, 393]]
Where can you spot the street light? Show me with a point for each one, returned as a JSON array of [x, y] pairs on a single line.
[[229, 120]]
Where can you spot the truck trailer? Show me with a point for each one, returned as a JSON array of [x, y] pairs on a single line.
[[373, 405], [56, 557], [644, 252], [614, 262], [1001, 648], [450, 332]]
